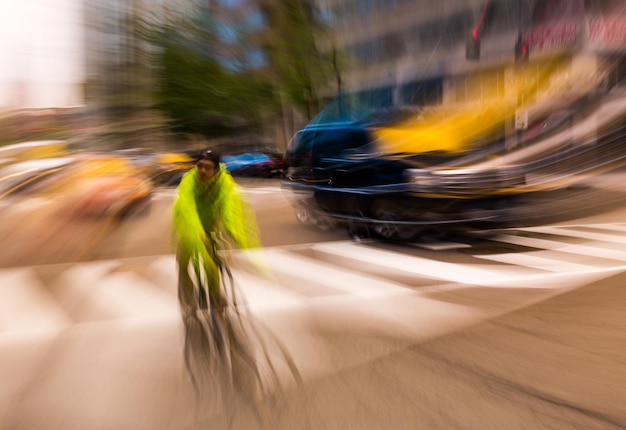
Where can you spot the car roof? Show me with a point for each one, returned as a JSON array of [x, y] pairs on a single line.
[[332, 125]]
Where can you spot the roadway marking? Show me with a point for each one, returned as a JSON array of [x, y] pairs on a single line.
[[167, 193], [586, 250], [304, 275]]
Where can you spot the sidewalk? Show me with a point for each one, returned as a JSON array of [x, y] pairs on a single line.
[[560, 364], [565, 354]]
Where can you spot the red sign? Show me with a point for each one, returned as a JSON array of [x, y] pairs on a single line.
[[558, 35], [608, 31]]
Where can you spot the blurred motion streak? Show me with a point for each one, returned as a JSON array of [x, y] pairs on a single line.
[[396, 172], [557, 147], [234, 360], [33, 150], [457, 129], [59, 209]]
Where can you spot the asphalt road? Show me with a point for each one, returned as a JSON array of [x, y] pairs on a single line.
[[432, 344]]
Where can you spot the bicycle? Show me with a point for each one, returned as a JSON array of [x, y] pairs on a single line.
[[219, 338]]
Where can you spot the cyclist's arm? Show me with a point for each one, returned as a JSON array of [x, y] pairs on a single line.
[[238, 218], [187, 221]]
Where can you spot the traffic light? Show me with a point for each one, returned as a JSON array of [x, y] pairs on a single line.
[[472, 47], [522, 51]]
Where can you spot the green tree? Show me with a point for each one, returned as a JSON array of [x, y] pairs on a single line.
[[302, 69], [201, 82], [206, 84]]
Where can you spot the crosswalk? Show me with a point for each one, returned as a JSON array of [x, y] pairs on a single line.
[[270, 189], [247, 189], [479, 278]]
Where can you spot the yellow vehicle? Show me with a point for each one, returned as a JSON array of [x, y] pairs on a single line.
[[84, 185], [33, 150], [167, 168], [397, 173]]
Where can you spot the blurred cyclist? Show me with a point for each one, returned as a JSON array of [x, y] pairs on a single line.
[[208, 213], [208, 208]]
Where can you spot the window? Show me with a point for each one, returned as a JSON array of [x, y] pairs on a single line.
[[422, 93], [227, 33], [386, 48], [392, 46], [255, 20], [376, 98], [230, 4], [325, 16], [256, 59]]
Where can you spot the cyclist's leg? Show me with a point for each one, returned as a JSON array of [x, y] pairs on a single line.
[[202, 299], [196, 342], [185, 283], [213, 280], [217, 301]]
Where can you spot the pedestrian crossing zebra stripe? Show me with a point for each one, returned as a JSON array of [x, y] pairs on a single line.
[[410, 264], [305, 275], [466, 274], [173, 192], [25, 303], [609, 227], [537, 262], [597, 250], [263, 190], [580, 232]]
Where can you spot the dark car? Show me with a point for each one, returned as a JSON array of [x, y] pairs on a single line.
[[345, 172], [340, 175], [257, 165]]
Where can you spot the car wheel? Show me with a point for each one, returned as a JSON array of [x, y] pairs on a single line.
[[306, 215], [386, 212], [303, 214], [358, 232], [323, 223]]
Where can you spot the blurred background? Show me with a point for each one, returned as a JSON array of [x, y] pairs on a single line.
[[249, 74], [439, 187]]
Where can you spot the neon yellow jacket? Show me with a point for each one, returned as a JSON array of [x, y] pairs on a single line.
[[215, 206]]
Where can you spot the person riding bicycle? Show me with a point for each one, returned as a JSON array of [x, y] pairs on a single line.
[[208, 205]]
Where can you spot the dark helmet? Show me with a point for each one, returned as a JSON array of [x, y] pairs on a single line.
[[210, 154]]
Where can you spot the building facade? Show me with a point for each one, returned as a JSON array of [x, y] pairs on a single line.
[[424, 54], [418, 52]]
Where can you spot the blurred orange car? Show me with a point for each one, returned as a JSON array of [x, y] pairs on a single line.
[[109, 186], [86, 185]]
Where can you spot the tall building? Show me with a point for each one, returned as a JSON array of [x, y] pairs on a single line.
[[119, 77], [409, 51], [421, 52]]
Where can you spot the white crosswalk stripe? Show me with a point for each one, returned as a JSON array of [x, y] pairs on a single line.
[[263, 190], [537, 262], [572, 232], [331, 273], [26, 305], [321, 278], [585, 250], [412, 265], [610, 227], [247, 189]]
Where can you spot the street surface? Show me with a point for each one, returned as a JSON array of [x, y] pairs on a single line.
[[518, 328]]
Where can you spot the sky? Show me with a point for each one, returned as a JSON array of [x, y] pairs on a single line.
[[40, 50]]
